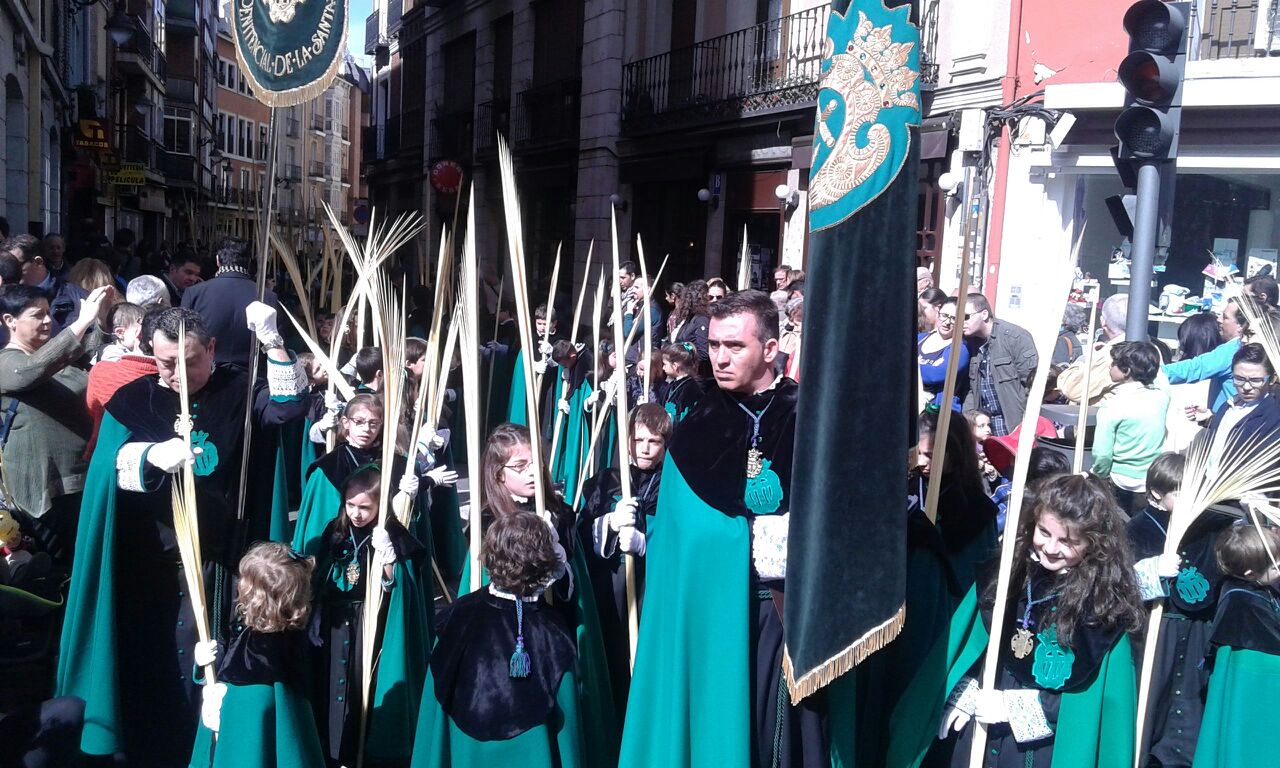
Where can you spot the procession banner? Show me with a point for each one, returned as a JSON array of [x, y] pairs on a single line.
[[290, 50], [847, 541]]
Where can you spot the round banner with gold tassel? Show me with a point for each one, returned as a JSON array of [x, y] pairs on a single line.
[[289, 49]]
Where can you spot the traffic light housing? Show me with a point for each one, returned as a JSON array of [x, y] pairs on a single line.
[[1152, 76]]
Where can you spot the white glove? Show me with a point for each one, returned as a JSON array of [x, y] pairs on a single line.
[[430, 441], [1168, 566], [589, 404], [206, 653], [623, 515], [540, 366], [631, 541], [328, 422], [563, 405], [383, 552], [442, 476], [262, 321], [544, 347], [170, 455], [348, 368], [953, 719], [990, 707], [332, 402], [409, 484], [211, 705]]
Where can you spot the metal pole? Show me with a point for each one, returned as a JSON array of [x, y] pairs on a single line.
[[264, 243], [1143, 251]]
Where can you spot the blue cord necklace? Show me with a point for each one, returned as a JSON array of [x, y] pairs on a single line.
[[1023, 641]]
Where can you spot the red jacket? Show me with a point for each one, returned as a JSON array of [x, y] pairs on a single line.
[[104, 379]]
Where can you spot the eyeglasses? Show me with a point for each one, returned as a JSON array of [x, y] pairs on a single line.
[[372, 423], [1241, 381], [943, 317], [519, 468]]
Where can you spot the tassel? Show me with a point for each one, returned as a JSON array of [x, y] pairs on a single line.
[[519, 659]]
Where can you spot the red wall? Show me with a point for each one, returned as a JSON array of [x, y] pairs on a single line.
[[1084, 40]]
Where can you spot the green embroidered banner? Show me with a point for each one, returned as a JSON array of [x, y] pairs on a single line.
[[289, 49]]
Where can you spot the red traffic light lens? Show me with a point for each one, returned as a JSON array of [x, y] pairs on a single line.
[[1151, 80]]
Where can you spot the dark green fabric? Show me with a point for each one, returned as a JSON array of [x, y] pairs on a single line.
[[307, 456], [261, 726], [1096, 725], [846, 567], [280, 494], [575, 439], [594, 691], [320, 505], [289, 59], [690, 700], [439, 743], [87, 665], [517, 406], [1244, 693]]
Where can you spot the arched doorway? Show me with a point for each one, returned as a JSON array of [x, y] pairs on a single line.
[[15, 144]]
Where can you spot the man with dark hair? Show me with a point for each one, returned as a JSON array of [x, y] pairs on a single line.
[[222, 301], [368, 362], [182, 273], [64, 296], [709, 653], [1002, 361], [1263, 289], [54, 250], [140, 699]]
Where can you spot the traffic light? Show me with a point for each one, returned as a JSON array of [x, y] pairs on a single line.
[[1152, 78]]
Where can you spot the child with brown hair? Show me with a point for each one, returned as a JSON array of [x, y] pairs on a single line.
[[680, 363], [258, 707], [501, 687], [1245, 647]]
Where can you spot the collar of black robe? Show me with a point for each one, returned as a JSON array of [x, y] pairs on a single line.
[[405, 544], [710, 446], [266, 658], [1248, 617], [473, 683], [338, 464]]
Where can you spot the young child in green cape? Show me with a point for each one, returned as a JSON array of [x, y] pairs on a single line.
[[258, 707], [1244, 687], [501, 685], [1064, 663]]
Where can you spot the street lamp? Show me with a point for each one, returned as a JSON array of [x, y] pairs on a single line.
[[119, 27]]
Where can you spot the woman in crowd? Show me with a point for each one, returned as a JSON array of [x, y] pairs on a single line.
[[691, 321], [930, 302], [1130, 429], [933, 350], [1198, 335], [45, 424]]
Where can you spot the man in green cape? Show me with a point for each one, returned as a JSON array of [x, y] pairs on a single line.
[[129, 623], [707, 687]]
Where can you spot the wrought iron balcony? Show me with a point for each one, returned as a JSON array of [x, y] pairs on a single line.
[[178, 167], [291, 172], [451, 135], [492, 118], [381, 142], [546, 116], [768, 67], [1234, 29], [139, 147], [142, 50], [317, 123], [317, 169]]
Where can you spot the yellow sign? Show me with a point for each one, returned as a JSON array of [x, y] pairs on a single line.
[[91, 134], [128, 174]]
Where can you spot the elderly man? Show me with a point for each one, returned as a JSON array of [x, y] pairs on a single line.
[[222, 301], [1071, 381], [130, 622], [709, 657], [1002, 361], [924, 279]]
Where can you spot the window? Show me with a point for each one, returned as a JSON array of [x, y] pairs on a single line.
[[244, 178], [219, 135], [177, 130], [262, 142]]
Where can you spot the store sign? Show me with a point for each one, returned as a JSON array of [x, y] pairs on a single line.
[[92, 134], [446, 177], [128, 175]]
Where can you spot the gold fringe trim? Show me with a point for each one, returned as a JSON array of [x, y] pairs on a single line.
[[857, 652], [303, 93]]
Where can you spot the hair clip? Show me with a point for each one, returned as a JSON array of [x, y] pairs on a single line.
[[296, 556], [688, 346], [932, 408]]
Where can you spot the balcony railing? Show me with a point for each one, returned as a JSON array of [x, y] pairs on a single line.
[[412, 132], [767, 67], [139, 147], [451, 134], [317, 123], [317, 169], [492, 118], [178, 167], [1234, 29], [142, 46], [180, 89], [381, 142], [546, 116], [291, 127]]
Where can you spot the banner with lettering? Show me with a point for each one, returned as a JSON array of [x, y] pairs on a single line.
[[290, 50]]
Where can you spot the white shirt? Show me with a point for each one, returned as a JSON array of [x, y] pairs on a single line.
[[1235, 413]]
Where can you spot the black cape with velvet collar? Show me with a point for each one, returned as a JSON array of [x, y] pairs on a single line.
[[1248, 617], [338, 464], [266, 658], [470, 665], [710, 445]]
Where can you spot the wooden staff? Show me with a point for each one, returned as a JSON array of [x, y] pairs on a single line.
[[648, 332], [470, 329], [551, 316], [1056, 285], [264, 262], [1082, 417], [520, 289], [624, 444], [938, 459], [573, 343]]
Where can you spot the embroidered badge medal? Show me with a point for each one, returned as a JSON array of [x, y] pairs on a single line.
[[1192, 586], [1053, 663]]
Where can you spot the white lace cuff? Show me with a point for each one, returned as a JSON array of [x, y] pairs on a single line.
[[964, 696], [1026, 716], [130, 462], [1150, 585], [769, 545], [286, 381]]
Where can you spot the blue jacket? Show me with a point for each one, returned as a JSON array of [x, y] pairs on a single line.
[[221, 302], [1214, 365], [1262, 421], [64, 301]]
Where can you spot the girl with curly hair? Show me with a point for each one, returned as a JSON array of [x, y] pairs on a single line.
[[1065, 663], [262, 677]]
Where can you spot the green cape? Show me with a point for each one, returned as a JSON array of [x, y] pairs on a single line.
[[320, 505], [517, 405], [571, 453], [1097, 723], [690, 701], [594, 691], [1244, 691], [262, 726], [439, 743]]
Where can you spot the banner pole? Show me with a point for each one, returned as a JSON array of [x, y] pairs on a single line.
[[264, 259]]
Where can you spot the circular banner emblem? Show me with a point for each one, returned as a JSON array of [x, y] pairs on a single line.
[[289, 49]]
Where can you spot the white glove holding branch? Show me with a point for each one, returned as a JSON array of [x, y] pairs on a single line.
[[262, 321], [409, 484], [563, 405], [991, 707], [540, 366], [631, 541], [170, 455], [211, 705], [1169, 565], [623, 515], [205, 653], [382, 549]]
